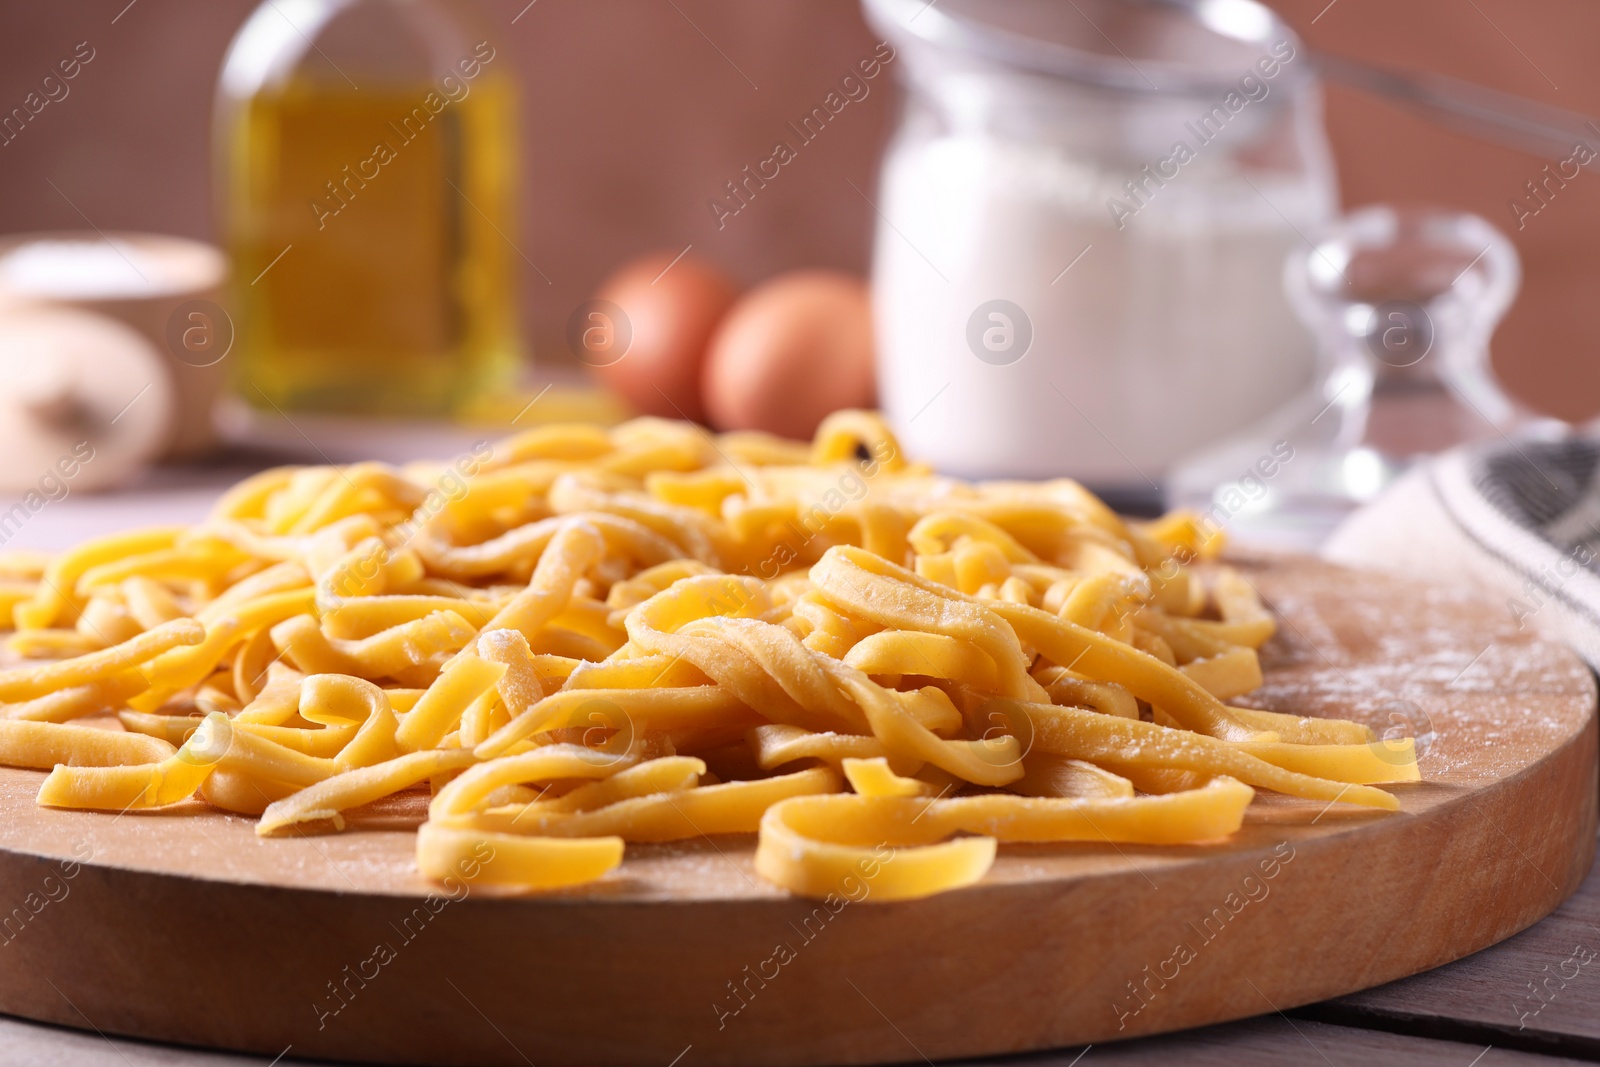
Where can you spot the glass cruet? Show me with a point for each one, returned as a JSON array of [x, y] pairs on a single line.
[[1402, 302]]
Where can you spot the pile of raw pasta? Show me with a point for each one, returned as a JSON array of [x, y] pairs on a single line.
[[580, 637]]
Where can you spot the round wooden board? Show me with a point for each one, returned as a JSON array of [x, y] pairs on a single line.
[[185, 927]]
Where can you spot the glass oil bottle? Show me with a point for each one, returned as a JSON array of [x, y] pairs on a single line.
[[365, 155]]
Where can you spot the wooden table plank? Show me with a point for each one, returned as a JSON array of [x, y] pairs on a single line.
[[1538, 990], [1271, 1041], [39, 1045]]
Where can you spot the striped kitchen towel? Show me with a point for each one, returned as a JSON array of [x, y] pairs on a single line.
[[1518, 519]]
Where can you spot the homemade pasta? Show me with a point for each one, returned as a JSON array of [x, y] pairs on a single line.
[[578, 638]]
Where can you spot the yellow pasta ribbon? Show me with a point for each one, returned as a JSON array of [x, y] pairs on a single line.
[[155, 785], [43, 745], [815, 845], [23, 683]]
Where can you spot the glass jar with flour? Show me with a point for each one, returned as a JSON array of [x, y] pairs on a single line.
[[1083, 220]]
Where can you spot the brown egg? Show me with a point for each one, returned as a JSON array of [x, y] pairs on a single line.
[[653, 352], [793, 350]]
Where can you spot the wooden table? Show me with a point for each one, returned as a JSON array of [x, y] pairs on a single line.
[[1533, 999]]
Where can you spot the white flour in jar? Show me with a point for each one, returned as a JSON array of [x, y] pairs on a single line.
[[1165, 335]]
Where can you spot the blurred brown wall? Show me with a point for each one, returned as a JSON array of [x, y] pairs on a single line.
[[632, 118], [1548, 346]]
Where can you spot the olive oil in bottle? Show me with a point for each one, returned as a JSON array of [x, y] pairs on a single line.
[[366, 159]]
